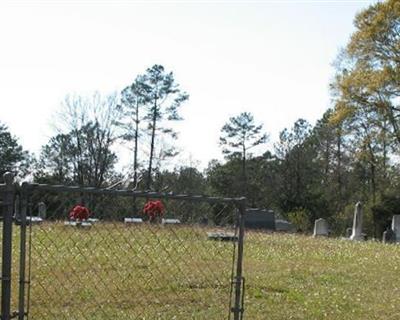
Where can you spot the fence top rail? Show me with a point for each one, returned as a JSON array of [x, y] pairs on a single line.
[[131, 193]]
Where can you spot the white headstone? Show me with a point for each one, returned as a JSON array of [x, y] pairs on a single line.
[[170, 221], [133, 220], [396, 227], [320, 228], [34, 220], [42, 210], [356, 233]]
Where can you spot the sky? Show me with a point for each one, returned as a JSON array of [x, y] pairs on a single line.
[[271, 58]]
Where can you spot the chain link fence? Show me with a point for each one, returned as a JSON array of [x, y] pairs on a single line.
[[119, 264]]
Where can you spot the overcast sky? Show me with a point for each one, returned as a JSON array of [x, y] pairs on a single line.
[[272, 58]]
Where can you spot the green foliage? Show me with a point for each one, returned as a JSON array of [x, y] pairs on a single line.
[[240, 134], [12, 156], [384, 211], [301, 219], [133, 100], [183, 180], [82, 157], [161, 98], [365, 92]]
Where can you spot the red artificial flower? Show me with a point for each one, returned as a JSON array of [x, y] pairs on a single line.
[[79, 213], [153, 209]]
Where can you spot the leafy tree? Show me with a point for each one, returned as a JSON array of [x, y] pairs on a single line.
[[369, 68], [238, 136], [184, 180], [12, 156], [366, 92], [81, 157], [55, 164], [332, 152], [222, 178], [295, 154]]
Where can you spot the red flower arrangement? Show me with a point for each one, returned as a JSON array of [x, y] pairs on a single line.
[[153, 209], [79, 213]]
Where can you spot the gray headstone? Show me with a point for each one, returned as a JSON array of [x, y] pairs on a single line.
[[259, 219], [283, 225], [356, 233], [396, 227], [8, 178], [42, 210], [388, 236], [321, 228]]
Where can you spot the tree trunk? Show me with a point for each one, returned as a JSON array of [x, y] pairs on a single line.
[[135, 164], [339, 169], [135, 156], [393, 122], [244, 177], [153, 133]]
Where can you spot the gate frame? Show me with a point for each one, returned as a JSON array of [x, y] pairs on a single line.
[[11, 190]]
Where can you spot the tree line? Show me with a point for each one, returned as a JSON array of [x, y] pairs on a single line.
[[312, 171]]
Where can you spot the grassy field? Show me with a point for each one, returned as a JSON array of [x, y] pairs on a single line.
[[114, 271], [299, 277], [151, 272]]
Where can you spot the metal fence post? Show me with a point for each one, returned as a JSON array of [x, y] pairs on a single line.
[[22, 259], [238, 307], [8, 211]]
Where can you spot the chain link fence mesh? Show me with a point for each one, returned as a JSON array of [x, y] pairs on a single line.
[[117, 266]]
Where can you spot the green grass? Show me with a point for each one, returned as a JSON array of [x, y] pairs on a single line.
[[114, 271], [153, 272], [299, 277]]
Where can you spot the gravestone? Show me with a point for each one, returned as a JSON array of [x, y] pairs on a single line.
[[222, 236], [356, 233], [170, 221], [389, 236], [396, 227], [284, 226], [259, 219], [78, 224], [348, 232], [42, 210], [133, 220], [320, 228], [34, 220]]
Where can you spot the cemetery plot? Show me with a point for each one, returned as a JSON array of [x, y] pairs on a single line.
[[96, 257], [112, 270]]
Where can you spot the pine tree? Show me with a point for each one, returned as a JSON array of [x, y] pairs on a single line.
[[238, 136]]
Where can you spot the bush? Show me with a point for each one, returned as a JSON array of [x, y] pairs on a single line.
[[301, 219]]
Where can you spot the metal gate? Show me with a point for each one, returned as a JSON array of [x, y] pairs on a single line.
[[186, 264]]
